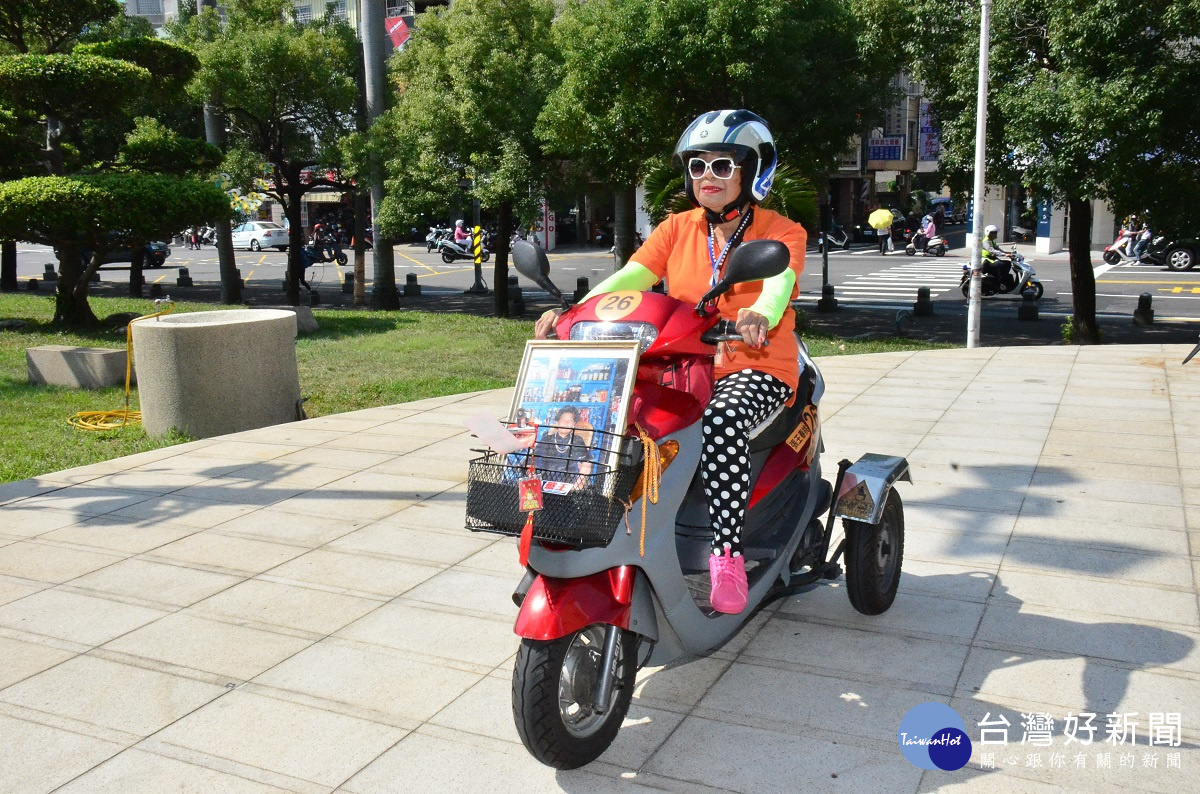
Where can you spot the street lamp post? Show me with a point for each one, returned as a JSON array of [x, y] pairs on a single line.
[[973, 309]]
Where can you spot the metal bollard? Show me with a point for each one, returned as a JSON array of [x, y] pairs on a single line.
[[51, 274], [95, 279], [314, 298], [1028, 310], [1144, 313], [581, 288], [156, 290], [184, 279], [33, 285], [411, 287], [348, 284], [827, 303], [924, 306]]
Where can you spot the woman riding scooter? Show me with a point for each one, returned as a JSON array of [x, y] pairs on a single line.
[[729, 162]]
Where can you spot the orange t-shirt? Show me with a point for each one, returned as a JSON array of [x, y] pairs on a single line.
[[678, 252]]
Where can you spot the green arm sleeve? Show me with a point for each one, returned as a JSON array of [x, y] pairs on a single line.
[[632, 276], [775, 297]]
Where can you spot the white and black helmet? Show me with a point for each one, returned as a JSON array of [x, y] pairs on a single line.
[[989, 230], [746, 135]]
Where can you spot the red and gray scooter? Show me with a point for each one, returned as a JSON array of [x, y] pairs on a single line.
[[595, 609]]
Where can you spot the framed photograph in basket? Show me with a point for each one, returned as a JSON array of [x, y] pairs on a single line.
[[567, 391]]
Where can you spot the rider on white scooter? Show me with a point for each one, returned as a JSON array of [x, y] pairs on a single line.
[[995, 259], [729, 161]]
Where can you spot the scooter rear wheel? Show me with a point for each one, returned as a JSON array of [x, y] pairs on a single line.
[[553, 685], [874, 556]]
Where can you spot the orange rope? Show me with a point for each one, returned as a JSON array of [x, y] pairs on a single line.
[[651, 476]]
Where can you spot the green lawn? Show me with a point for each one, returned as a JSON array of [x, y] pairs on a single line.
[[358, 359]]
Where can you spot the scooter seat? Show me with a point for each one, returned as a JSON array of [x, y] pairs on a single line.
[[777, 427]]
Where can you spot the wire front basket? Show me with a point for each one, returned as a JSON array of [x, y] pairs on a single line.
[[587, 478]]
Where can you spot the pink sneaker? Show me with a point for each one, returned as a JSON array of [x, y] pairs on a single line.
[[729, 587]]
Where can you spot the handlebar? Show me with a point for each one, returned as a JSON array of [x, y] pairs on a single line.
[[724, 331]]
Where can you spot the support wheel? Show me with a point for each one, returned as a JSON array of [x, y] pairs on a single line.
[[553, 682], [874, 555]]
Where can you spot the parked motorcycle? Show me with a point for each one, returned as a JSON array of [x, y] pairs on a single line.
[[837, 237], [435, 236], [601, 599], [1012, 274], [934, 246], [453, 252]]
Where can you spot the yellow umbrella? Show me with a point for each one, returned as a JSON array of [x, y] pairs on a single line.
[[880, 219]]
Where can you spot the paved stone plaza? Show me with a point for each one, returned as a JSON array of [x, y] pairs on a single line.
[[298, 608]]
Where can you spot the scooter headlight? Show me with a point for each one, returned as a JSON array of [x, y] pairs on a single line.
[[644, 333]]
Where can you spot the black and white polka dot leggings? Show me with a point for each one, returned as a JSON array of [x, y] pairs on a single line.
[[739, 402]]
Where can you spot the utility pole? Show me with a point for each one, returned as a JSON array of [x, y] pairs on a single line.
[[975, 305], [383, 290], [214, 133]]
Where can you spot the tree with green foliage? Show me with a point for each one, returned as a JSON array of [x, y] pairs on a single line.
[[49, 26], [637, 72], [1087, 100], [85, 97], [99, 213], [287, 91], [470, 88]]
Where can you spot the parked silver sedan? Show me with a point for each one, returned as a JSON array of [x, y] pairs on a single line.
[[257, 235]]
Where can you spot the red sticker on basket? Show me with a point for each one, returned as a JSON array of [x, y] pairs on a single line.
[[530, 493]]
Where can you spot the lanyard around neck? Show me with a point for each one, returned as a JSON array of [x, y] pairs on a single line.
[[717, 261]]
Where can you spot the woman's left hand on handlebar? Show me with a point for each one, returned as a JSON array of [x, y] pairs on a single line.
[[752, 326]]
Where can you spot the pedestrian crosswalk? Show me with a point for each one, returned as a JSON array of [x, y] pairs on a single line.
[[897, 285]]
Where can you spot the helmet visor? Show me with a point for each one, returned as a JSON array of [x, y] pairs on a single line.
[[721, 168]]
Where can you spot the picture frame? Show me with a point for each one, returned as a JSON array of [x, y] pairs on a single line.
[[593, 379]]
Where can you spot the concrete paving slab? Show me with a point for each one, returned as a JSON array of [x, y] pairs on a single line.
[[321, 569]]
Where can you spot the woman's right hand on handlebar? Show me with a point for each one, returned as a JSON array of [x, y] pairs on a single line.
[[545, 324]]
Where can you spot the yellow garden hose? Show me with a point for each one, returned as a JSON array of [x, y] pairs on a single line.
[[98, 421]]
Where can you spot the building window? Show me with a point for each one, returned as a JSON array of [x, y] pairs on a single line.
[[337, 8], [304, 13], [399, 8], [148, 7]]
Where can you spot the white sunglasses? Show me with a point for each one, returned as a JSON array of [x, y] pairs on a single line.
[[721, 168]]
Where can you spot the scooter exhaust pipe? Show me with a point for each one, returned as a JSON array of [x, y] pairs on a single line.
[[608, 665]]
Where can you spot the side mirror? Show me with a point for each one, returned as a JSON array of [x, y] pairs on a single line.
[[531, 262], [751, 261]]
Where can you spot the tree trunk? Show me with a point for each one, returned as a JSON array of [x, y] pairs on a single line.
[[8, 266], [361, 207], [1084, 330], [624, 224], [383, 291], [295, 260], [70, 303], [137, 264], [231, 281]]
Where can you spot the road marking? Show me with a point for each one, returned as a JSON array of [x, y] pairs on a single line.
[[1101, 270], [1160, 283], [415, 262], [247, 278], [160, 278], [261, 259]]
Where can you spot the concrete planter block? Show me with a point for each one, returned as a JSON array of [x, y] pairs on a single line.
[[305, 322], [210, 373], [75, 367]]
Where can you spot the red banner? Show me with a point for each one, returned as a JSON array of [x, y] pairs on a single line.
[[397, 31]]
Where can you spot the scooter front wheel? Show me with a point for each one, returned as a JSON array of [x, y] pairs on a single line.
[[342, 260], [447, 257], [1038, 289], [1111, 257], [554, 684], [874, 556]]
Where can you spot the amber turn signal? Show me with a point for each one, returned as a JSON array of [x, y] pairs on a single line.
[[666, 453]]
